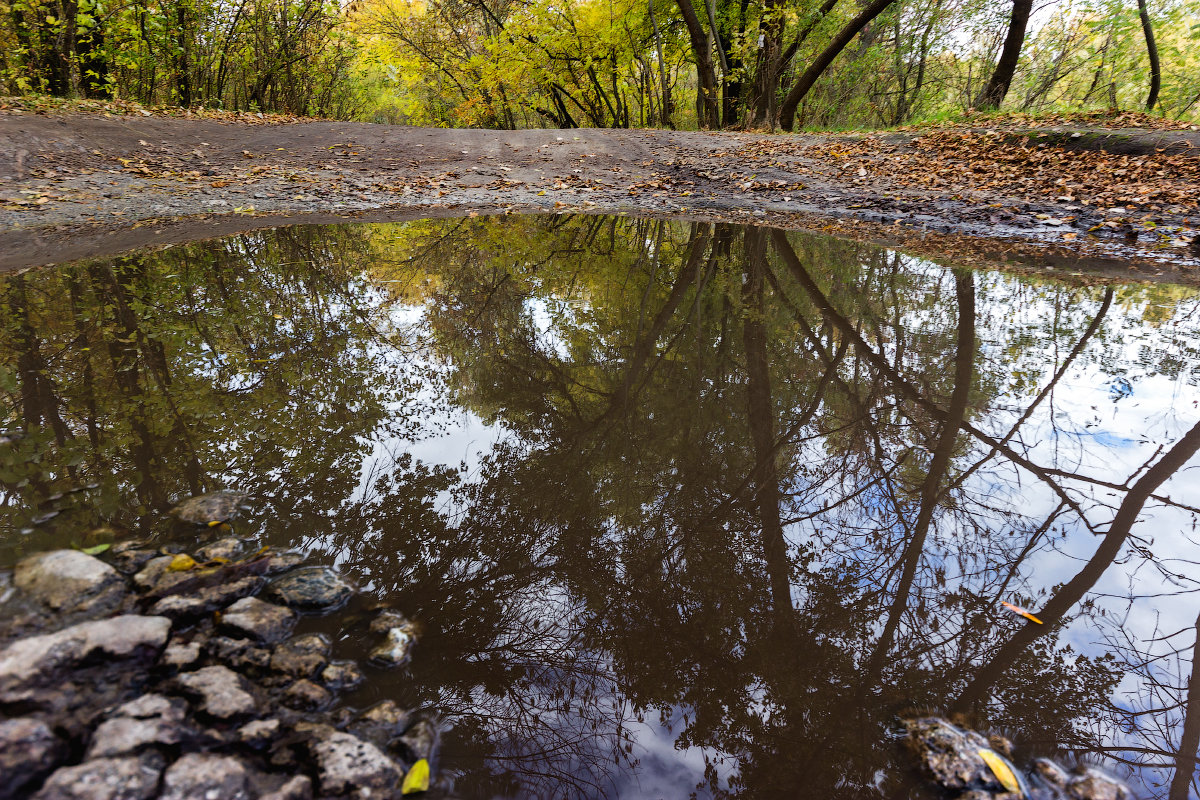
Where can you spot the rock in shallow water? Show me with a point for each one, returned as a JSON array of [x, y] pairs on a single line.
[[70, 581], [304, 695], [950, 755], [311, 589], [396, 648], [348, 765], [39, 660], [29, 750], [259, 620], [301, 657]]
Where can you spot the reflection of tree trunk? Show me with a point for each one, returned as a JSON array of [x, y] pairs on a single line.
[[124, 357], [902, 387], [646, 344], [1189, 742], [931, 487], [761, 418], [1074, 590], [38, 400]]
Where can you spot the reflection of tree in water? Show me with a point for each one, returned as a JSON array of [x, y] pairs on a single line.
[[760, 493], [172, 373], [893, 533]]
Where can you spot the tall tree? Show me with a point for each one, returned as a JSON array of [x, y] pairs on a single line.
[[708, 111], [1152, 51], [997, 86], [787, 111]]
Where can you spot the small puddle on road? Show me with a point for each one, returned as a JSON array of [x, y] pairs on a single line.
[[680, 507]]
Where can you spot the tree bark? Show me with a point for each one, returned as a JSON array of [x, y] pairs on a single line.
[[787, 111], [997, 86], [707, 110], [1152, 51]]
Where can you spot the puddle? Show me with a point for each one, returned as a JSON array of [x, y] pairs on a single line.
[[681, 508]]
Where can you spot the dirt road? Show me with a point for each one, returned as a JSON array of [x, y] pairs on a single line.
[[83, 184]]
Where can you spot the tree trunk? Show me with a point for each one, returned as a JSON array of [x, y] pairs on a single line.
[[1152, 51], [707, 110], [668, 107], [787, 112], [993, 93]]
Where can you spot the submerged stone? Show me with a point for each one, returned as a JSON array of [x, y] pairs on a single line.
[[396, 648], [203, 509], [311, 589]]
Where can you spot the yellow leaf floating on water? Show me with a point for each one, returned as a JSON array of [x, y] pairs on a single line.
[[417, 779], [1021, 612], [1002, 771], [181, 563]]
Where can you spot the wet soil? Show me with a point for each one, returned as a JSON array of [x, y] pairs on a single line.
[[82, 184]]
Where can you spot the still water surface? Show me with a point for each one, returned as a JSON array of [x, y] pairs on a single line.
[[681, 507]]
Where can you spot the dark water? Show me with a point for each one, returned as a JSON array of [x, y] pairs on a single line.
[[681, 508]]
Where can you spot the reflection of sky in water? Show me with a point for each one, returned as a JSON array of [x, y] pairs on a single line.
[[1112, 411], [1097, 423]]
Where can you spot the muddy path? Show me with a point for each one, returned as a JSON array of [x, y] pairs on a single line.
[[1098, 202]]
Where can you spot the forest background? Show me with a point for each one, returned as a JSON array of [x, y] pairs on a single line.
[[686, 64]]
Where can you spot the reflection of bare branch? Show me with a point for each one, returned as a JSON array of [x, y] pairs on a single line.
[[1073, 591], [1185, 758], [903, 386]]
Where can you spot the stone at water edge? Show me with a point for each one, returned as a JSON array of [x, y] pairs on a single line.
[[301, 657], [199, 776], [105, 779], [421, 740], [342, 675], [39, 660], [29, 751], [348, 765], [311, 589], [227, 548], [304, 695], [152, 719], [222, 692], [256, 619], [298, 787], [69, 580], [950, 755]]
